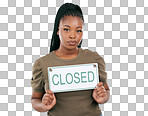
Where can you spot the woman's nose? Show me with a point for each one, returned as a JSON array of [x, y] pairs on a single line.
[[72, 35]]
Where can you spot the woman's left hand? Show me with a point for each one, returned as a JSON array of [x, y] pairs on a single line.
[[100, 94]]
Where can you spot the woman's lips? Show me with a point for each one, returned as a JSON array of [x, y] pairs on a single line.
[[72, 43]]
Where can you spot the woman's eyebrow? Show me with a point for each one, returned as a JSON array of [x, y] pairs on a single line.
[[76, 27]]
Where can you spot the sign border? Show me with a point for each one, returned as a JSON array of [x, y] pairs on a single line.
[[77, 65]]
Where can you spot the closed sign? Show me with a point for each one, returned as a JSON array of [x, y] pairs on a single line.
[[73, 77]]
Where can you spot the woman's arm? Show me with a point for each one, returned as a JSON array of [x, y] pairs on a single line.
[[36, 101], [107, 92], [43, 102]]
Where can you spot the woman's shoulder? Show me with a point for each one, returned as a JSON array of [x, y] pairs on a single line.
[[90, 52], [44, 58], [87, 51]]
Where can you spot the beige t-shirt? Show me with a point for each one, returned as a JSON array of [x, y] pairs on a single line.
[[75, 103]]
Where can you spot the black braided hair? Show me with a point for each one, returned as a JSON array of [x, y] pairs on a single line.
[[67, 9]]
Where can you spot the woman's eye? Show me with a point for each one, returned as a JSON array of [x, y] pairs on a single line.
[[66, 29], [79, 31]]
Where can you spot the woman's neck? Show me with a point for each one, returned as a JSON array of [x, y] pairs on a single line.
[[66, 52]]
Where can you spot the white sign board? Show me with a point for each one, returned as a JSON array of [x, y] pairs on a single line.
[[73, 77]]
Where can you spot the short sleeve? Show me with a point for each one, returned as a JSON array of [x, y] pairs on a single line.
[[37, 81], [101, 68]]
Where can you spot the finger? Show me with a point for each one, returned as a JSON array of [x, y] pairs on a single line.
[[45, 102], [47, 98], [102, 95], [51, 97], [99, 84], [100, 92], [47, 95], [100, 88], [50, 100], [48, 103], [49, 92]]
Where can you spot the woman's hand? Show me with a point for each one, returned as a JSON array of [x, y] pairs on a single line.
[[48, 100], [100, 94]]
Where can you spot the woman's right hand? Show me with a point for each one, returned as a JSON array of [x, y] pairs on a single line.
[[48, 100]]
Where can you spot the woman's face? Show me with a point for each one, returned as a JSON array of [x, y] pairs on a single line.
[[70, 32]]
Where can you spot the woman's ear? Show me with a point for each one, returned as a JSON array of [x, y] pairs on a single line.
[[58, 31]]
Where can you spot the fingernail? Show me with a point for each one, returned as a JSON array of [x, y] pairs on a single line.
[[96, 87]]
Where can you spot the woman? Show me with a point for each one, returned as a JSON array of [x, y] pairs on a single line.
[[65, 49]]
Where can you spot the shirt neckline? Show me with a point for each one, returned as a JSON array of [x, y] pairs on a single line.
[[60, 59]]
